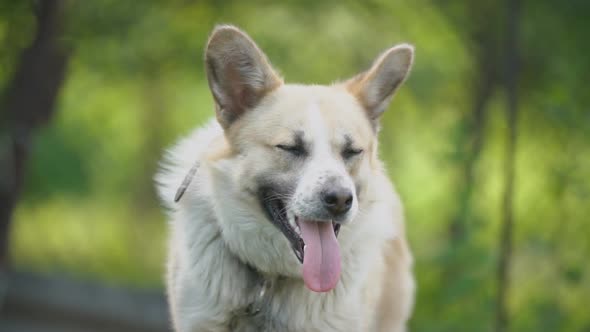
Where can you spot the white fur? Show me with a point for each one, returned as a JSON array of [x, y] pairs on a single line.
[[324, 164], [210, 284]]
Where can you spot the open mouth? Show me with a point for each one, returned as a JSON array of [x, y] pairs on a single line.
[[277, 213], [314, 243]]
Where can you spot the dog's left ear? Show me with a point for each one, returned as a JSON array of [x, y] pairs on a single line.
[[239, 73], [375, 87]]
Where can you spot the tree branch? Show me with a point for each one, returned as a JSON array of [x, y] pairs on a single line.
[[511, 86]]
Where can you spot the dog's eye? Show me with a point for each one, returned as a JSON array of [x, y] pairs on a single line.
[[296, 150], [350, 152]]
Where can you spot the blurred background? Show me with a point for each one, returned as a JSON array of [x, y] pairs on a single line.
[[488, 143]]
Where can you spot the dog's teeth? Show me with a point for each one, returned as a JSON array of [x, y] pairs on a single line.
[[297, 230]]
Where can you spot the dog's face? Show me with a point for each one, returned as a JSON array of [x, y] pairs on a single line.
[[306, 153]]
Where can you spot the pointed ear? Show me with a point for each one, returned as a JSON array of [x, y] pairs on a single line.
[[375, 87], [239, 73]]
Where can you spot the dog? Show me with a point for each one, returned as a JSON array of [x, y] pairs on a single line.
[[286, 220]]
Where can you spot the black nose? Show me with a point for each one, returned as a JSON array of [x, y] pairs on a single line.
[[337, 201]]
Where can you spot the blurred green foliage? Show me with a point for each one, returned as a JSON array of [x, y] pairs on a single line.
[[136, 84]]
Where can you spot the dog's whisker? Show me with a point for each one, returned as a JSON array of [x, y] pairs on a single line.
[[277, 196]]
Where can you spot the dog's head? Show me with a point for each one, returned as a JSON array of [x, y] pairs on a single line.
[[304, 153]]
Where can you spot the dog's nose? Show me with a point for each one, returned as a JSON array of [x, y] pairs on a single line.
[[337, 201]]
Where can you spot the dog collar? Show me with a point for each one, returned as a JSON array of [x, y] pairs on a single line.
[[261, 298]]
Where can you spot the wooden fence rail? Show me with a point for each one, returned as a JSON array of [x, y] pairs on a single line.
[[32, 303]]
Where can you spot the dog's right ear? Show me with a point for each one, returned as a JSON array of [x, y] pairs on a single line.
[[239, 73], [375, 87]]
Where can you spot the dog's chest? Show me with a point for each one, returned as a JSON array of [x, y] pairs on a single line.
[[248, 322], [282, 306], [291, 321]]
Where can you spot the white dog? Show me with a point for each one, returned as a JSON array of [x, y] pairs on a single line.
[[288, 222]]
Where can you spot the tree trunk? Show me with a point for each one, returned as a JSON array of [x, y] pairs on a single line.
[[475, 135], [511, 87], [483, 39], [28, 103]]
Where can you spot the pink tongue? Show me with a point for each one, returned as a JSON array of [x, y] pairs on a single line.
[[321, 258]]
